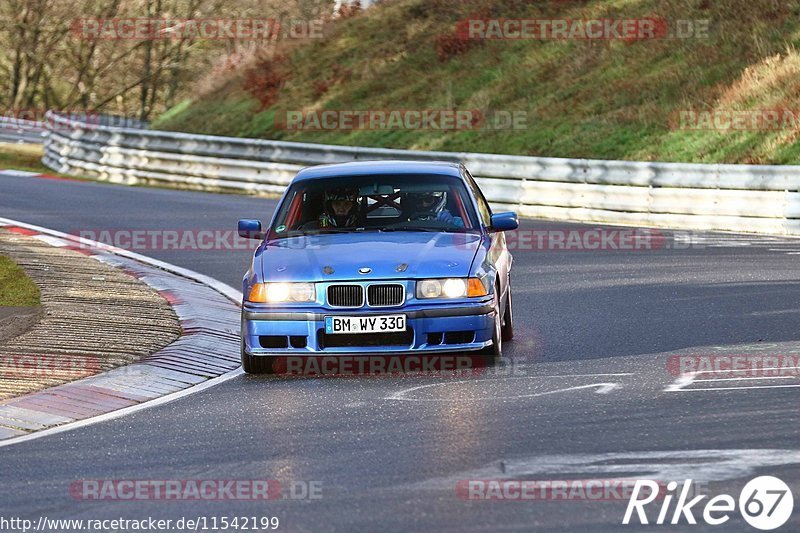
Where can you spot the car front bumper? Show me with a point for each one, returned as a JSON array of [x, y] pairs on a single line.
[[452, 327]]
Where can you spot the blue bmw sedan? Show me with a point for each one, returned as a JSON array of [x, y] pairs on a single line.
[[378, 258]]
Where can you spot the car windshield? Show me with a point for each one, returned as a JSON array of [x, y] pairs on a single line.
[[425, 203]]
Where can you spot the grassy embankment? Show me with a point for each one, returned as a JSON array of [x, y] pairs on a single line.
[[609, 99], [16, 288]]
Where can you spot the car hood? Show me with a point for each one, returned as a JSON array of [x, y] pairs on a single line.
[[337, 257]]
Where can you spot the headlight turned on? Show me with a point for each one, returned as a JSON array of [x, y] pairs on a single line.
[[282, 292], [450, 288]]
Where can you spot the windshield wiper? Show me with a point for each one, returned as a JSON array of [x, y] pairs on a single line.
[[321, 231], [414, 228]]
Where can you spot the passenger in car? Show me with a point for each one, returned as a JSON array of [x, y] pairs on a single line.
[[428, 206]]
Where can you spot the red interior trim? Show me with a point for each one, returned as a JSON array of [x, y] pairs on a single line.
[[462, 212], [294, 211]]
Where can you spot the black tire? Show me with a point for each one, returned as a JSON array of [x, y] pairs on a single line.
[[255, 365], [508, 318], [495, 351]]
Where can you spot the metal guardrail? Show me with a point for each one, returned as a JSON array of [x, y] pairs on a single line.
[[21, 131], [760, 199]]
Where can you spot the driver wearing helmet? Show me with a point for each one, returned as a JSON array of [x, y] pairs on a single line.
[[428, 206], [340, 208]]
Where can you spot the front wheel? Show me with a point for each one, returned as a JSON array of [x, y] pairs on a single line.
[[508, 317], [495, 351]]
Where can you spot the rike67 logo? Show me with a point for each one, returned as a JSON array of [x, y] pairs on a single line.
[[766, 503]]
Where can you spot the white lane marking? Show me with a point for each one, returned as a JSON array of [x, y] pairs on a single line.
[[726, 371], [518, 377], [739, 388], [756, 378], [580, 375], [682, 381], [18, 173], [700, 465], [608, 387], [222, 288], [602, 388], [125, 410]]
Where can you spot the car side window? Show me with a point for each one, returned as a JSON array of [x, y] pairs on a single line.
[[483, 205]]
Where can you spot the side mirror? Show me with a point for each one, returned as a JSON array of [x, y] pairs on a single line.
[[250, 229], [505, 221]]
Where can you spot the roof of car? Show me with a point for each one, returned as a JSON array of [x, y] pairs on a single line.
[[362, 168]]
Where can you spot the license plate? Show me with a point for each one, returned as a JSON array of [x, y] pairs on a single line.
[[365, 324]]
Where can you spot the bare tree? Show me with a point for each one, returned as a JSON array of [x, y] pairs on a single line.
[[47, 61]]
